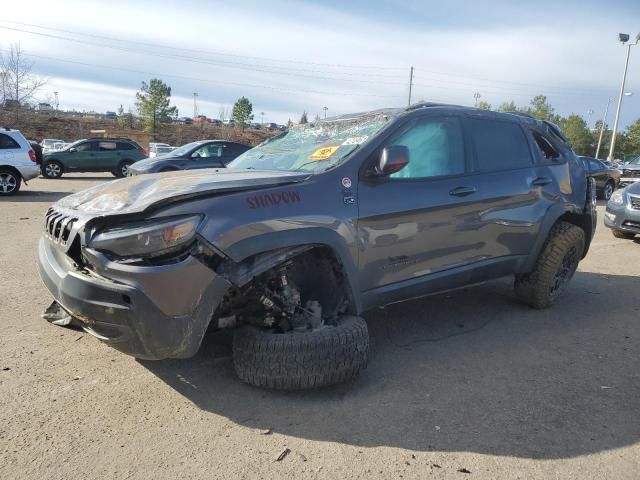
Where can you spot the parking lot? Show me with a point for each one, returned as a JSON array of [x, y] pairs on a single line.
[[463, 384]]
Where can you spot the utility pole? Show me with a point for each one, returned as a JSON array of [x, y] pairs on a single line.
[[410, 84], [55, 101], [624, 38], [476, 96], [262, 118], [195, 105], [604, 119], [327, 108]]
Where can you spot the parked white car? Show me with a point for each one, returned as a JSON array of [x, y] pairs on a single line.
[[48, 144], [17, 161], [159, 149]]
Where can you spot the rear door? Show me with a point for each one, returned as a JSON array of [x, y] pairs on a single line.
[[231, 151], [509, 200], [599, 172], [107, 157]]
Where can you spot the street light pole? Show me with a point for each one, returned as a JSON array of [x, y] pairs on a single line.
[[604, 119], [623, 38], [325, 112]]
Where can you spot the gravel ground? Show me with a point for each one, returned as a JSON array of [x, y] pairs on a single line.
[[462, 382]]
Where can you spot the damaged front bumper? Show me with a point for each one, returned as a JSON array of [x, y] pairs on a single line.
[[149, 312]]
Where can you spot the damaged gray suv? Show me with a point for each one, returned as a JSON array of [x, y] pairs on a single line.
[[300, 235]]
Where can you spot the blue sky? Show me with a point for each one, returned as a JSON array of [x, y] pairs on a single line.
[[349, 56]]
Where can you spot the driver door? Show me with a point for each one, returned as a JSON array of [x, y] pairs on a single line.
[[83, 159]]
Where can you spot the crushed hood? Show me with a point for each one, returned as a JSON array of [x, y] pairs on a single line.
[[137, 193]]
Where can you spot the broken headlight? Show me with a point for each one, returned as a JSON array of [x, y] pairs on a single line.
[[145, 238]]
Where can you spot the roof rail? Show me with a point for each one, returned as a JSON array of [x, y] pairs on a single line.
[[418, 105], [522, 114]]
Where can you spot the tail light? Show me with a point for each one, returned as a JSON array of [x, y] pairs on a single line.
[[144, 152], [32, 156]]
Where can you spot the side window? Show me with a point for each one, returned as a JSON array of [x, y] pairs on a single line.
[[545, 147], [208, 151], [7, 142], [499, 145], [107, 146], [86, 147], [125, 146], [436, 148]]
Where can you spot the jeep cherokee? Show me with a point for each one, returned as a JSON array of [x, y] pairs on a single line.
[[313, 227]]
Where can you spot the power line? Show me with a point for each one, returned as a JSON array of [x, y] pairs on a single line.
[[216, 82], [211, 52], [298, 72]]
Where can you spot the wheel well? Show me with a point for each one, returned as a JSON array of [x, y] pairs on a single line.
[[579, 220], [11, 169], [315, 273]]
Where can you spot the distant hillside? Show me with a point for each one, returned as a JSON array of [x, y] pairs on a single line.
[[70, 127]]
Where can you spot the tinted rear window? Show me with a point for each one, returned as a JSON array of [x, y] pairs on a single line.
[[499, 145], [7, 142], [125, 146]]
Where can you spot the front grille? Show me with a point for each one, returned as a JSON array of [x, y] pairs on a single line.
[[635, 202], [58, 227], [631, 173]]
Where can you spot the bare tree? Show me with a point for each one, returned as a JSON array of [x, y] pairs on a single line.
[[18, 83]]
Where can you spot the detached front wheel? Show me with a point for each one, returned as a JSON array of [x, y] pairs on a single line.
[[301, 360]]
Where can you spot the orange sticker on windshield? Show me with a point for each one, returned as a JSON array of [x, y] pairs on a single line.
[[323, 153]]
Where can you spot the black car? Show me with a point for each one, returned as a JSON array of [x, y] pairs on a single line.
[[308, 230], [200, 154], [607, 177]]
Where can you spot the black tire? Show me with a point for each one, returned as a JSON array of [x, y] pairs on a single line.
[[301, 360], [624, 235], [607, 190], [554, 268], [52, 169], [10, 182], [122, 170]]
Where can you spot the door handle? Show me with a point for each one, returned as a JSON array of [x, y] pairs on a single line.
[[462, 191], [541, 181]]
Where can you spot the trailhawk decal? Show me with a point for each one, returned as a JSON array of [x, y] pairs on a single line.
[[273, 199]]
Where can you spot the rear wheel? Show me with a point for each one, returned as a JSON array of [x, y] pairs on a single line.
[[607, 191], [10, 182], [554, 268], [624, 235], [52, 169], [123, 168]]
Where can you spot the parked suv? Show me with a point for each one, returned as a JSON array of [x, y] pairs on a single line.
[[17, 161], [113, 155], [303, 233]]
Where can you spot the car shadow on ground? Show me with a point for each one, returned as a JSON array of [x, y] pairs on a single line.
[[464, 371], [37, 196]]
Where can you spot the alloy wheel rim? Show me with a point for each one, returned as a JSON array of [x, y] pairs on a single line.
[[125, 170], [53, 170], [608, 190], [565, 271], [7, 183]]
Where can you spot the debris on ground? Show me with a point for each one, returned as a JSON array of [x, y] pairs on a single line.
[[4, 369], [284, 453], [464, 470], [266, 431]]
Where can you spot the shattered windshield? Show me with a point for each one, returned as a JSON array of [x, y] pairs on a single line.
[[313, 146]]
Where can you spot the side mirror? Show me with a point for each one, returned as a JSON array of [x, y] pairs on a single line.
[[73, 150], [392, 160]]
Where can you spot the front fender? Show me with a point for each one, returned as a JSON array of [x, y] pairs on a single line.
[[288, 237]]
